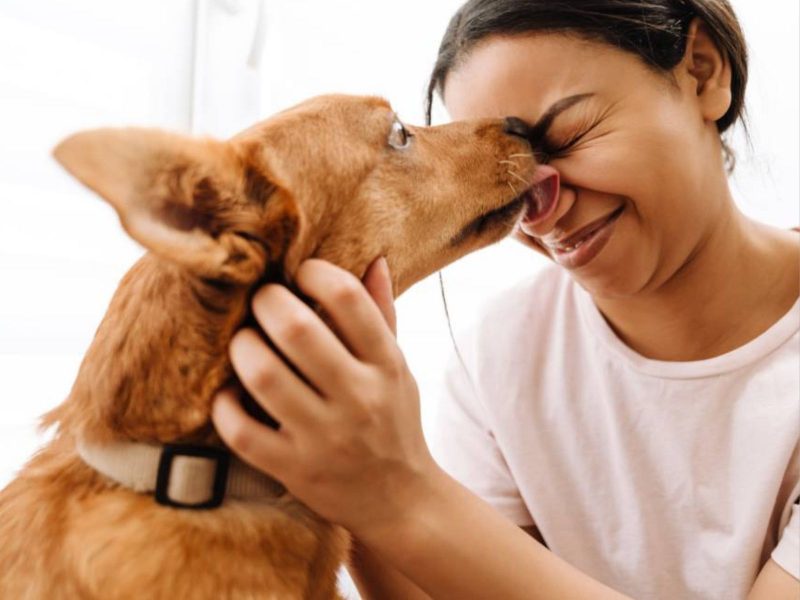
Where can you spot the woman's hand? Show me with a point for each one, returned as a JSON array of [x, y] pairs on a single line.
[[350, 444], [351, 447]]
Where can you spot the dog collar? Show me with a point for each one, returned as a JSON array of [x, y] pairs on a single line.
[[180, 475]]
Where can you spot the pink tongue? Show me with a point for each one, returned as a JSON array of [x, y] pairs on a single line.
[[544, 197]]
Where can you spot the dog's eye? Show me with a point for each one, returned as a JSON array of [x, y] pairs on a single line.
[[399, 137]]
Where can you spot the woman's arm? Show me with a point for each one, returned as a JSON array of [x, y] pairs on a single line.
[[453, 545], [774, 583], [377, 580]]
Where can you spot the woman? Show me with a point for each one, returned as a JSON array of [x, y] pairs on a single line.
[[625, 425]]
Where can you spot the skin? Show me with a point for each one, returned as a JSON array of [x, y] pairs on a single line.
[[680, 279]]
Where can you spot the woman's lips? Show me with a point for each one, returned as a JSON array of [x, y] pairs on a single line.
[[582, 247]]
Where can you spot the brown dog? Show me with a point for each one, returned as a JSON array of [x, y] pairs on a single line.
[[337, 178]]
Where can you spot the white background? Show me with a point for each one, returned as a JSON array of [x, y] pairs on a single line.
[[214, 67]]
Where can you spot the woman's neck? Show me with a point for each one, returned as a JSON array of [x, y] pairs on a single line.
[[738, 283]]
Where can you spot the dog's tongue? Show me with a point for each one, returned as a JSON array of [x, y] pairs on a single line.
[[544, 195]]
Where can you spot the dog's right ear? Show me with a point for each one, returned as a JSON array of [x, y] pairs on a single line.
[[188, 200]]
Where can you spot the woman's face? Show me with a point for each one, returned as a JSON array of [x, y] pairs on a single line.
[[643, 184]]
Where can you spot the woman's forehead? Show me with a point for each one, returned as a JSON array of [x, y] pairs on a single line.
[[524, 75]]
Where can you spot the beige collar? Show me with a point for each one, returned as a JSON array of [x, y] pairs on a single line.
[[180, 475]]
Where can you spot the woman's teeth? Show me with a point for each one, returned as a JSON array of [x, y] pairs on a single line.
[[570, 248], [574, 245]]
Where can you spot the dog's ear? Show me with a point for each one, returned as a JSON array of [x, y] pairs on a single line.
[[192, 201]]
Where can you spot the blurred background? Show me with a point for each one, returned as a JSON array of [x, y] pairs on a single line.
[[213, 67]]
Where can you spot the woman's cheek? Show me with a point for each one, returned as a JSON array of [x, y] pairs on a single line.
[[600, 165]]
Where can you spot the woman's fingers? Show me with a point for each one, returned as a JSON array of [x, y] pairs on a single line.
[[379, 285], [271, 382], [264, 448], [303, 338], [350, 422], [345, 300]]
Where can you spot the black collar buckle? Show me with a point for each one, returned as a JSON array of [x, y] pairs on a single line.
[[222, 459]]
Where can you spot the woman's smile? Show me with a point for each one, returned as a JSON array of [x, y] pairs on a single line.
[[580, 248]]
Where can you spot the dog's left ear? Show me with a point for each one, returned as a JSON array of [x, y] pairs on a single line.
[[195, 202]]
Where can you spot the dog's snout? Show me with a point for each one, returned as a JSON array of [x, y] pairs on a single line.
[[518, 127]]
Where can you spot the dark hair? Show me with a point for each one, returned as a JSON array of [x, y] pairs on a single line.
[[654, 30]]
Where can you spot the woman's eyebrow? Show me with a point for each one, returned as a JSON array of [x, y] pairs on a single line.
[[539, 129]]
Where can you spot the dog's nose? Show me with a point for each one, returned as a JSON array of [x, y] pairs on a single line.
[[518, 127]]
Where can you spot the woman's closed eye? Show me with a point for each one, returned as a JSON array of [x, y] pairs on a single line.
[[557, 145], [555, 149]]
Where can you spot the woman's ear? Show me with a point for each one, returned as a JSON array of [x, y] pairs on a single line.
[[710, 69]]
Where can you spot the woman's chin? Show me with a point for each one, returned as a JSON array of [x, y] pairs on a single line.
[[616, 273], [616, 282]]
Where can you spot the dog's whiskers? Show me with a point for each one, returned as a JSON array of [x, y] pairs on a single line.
[[524, 155], [518, 176]]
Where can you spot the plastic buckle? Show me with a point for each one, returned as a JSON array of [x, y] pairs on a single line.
[[168, 454]]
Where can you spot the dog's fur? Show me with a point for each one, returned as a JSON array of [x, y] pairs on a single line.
[[219, 219]]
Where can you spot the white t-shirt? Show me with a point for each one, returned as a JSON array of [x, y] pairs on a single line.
[[663, 480]]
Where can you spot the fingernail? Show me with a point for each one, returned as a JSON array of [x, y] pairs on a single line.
[[217, 410], [384, 265], [218, 407]]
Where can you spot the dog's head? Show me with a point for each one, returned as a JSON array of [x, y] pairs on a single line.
[[337, 177]]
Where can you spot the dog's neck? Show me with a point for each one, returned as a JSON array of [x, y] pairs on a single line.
[[161, 351], [158, 356]]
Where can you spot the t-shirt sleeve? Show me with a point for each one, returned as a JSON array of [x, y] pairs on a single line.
[[465, 447], [787, 552]]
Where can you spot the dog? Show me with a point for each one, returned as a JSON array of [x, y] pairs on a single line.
[[336, 177]]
